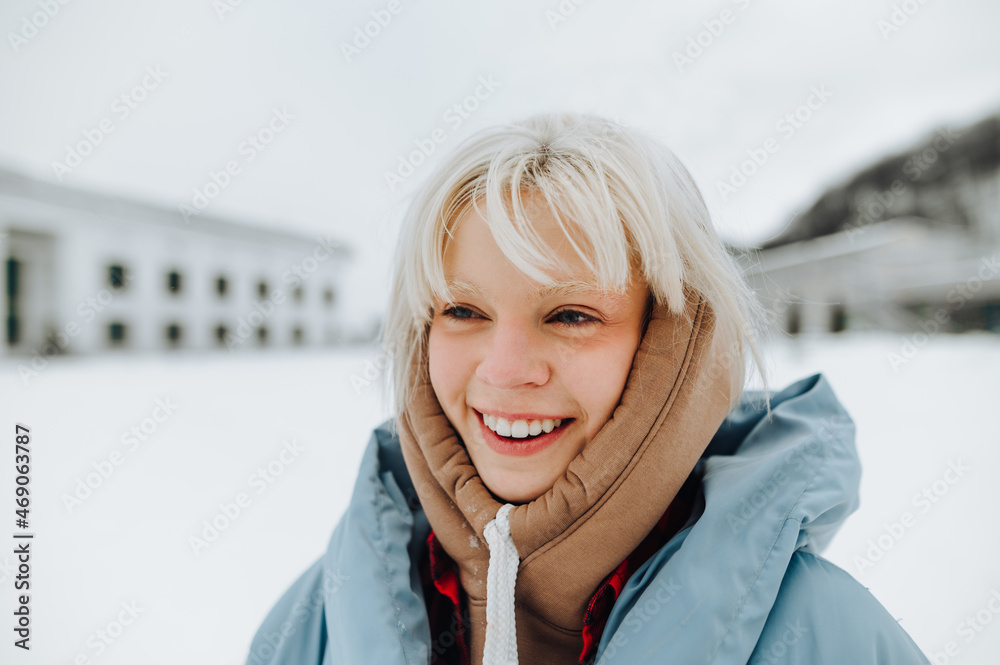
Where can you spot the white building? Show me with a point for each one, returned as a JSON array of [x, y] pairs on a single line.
[[910, 244], [87, 272]]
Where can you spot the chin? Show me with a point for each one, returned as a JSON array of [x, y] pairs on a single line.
[[516, 492]]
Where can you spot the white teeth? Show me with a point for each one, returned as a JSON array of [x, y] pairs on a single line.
[[520, 429]]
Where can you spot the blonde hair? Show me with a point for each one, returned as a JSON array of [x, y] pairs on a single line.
[[623, 199]]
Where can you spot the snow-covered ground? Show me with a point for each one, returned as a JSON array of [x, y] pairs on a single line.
[[129, 542]]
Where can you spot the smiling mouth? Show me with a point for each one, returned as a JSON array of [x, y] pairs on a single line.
[[523, 429]]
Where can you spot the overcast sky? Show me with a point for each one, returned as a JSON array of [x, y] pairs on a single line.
[[210, 74]]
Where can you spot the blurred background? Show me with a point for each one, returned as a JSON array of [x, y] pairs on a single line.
[[199, 203]]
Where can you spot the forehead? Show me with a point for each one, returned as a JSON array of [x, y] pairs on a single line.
[[473, 257]]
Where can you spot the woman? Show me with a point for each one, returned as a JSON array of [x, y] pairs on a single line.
[[574, 473]]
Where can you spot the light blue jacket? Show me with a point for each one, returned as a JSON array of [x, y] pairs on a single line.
[[742, 582]]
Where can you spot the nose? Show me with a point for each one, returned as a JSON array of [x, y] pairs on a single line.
[[515, 357]]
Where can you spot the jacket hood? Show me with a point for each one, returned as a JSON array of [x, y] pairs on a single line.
[[769, 486]]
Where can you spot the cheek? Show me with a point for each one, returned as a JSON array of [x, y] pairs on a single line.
[[598, 379], [447, 368]]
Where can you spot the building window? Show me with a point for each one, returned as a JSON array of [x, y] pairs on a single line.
[[297, 293], [13, 321], [13, 330], [117, 333], [991, 316], [262, 336], [221, 286], [838, 318], [174, 334], [328, 297], [297, 335], [221, 332], [794, 319], [116, 276], [262, 289], [174, 282]]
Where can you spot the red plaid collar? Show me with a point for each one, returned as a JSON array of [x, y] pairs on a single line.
[[447, 607]]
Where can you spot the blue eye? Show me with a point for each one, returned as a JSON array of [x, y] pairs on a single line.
[[572, 317], [457, 312]]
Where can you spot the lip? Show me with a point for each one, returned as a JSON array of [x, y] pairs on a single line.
[[524, 448], [519, 416]]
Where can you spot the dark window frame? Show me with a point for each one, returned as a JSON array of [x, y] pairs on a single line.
[[175, 283], [117, 333], [117, 276], [175, 334]]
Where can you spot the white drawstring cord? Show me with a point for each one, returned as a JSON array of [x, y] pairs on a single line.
[[501, 576]]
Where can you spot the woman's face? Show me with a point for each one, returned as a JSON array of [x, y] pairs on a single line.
[[527, 374]]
